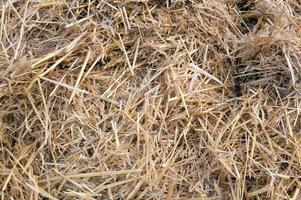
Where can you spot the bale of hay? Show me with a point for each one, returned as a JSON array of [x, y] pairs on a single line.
[[150, 99]]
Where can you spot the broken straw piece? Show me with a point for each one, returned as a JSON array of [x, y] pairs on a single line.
[[205, 73]]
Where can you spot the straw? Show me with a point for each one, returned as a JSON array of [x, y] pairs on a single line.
[[150, 99]]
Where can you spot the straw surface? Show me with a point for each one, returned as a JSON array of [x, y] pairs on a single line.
[[150, 99]]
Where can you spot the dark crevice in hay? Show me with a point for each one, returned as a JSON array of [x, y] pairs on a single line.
[[163, 3], [297, 127], [13, 116], [9, 118], [249, 24], [292, 189], [245, 7], [238, 85], [283, 165], [283, 79], [237, 88], [296, 7], [253, 74], [82, 12]]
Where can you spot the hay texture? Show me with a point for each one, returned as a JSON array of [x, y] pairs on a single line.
[[150, 99]]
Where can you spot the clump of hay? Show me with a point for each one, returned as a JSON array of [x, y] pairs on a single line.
[[153, 99]]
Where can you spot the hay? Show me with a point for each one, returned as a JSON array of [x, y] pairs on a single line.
[[150, 99]]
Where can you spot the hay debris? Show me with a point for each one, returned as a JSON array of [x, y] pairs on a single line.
[[150, 99]]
